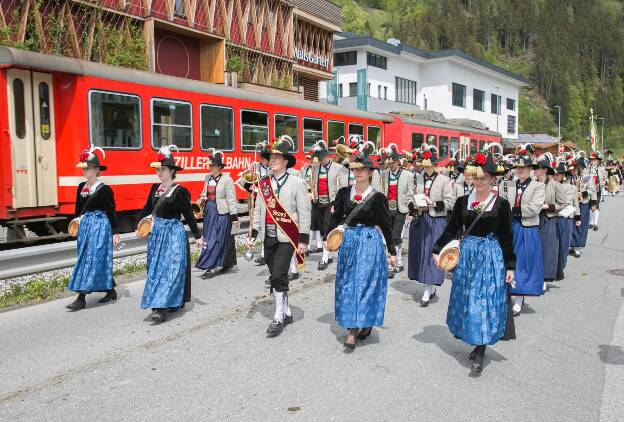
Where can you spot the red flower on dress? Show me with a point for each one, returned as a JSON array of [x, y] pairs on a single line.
[[160, 156], [85, 154], [480, 158], [522, 152], [427, 155], [553, 164], [474, 204], [357, 197]]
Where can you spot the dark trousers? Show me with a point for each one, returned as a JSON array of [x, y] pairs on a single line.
[[278, 255], [398, 221], [320, 217], [229, 260]]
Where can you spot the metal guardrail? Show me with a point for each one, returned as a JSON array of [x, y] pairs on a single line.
[[37, 259]]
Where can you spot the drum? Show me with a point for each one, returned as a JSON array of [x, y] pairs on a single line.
[[334, 239], [73, 226], [449, 256], [144, 227]]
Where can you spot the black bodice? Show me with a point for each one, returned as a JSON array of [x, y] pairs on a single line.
[[103, 200], [174, 206]]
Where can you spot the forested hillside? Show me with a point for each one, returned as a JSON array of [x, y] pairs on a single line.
[[572, 51]]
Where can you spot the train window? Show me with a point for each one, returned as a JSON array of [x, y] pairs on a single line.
[[44, 110], [312, 132], [19, 108], [417, 140], [254, 129], [287, 125], [374, 135], [444, 146], [432, 140], [172, 124], [217, 127], [474, 147], [334, 130], [115, 120], [455, 144], [356, 129]]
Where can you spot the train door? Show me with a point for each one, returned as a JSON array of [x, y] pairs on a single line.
[[464, 146], [33, 144]]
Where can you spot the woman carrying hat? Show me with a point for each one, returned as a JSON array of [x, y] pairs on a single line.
[[478, 305], [526, 197], [97, 234], [554, 201], [220, 214], [566, 223], [362, 273], [428, 223], [587, 189], [168, 282]]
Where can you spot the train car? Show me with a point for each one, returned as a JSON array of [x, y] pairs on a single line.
[[54, 107]]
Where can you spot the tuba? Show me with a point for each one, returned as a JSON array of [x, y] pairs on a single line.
[[342, 154]]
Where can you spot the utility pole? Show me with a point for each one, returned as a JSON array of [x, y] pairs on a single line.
[[558, 128], [601, 132]]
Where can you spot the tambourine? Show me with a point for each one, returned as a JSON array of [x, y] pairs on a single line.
[[144, 227], [73, 226], [449, 256]]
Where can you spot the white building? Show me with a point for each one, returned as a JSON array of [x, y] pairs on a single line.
[[402, 78]]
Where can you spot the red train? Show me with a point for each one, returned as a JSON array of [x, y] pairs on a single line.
[[54, 107]]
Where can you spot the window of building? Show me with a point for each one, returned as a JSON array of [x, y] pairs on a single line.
[[115, 120], [352, 89], [376, 60], [405, 90], [511, 104], [340, 91], [216, 127], [172, 124], [374, 135], [345, 58], [179, 9], [417, 140], [478, 100], [459, 95], [287, 125], [369, 91], [495, 100], [378, 91], [312, 132], [385, 92], [356, 129], [254, 129], [511, 124], [444, 146]]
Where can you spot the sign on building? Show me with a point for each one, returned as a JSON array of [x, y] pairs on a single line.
[[362, 88]]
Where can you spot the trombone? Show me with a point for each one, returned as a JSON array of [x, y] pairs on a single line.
[[251, 176]]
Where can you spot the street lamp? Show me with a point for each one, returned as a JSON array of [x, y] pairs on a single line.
[[601, 133], [558, 127]]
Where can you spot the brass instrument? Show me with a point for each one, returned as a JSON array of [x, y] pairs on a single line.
[[579, 194], [314, 171], [198, 207], [251, 176], [342, 154]]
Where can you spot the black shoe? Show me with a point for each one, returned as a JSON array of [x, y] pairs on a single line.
[[260, 261], [159, 315], [477, 365], [288, 319], [364, 333], [473, 354], [424, 303], [330, 260], [595, 228], [110, 295], [207, 275], [322, 265], [77, 304], [226, 270], [275, 328], [576, 253], [399, 269], [433, 294], [293, 276], [175, 309], [390, 274]]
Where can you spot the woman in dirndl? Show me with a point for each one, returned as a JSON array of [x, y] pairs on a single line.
[[362, 272], [566, 223], [478, 310], [587, 188], [97, 234], [168, 282], [428, 223], [220, 214]]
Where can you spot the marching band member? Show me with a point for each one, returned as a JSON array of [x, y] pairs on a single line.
[[566, 223], [220, 214], [168, 282], [361, 275], [398, 187], [587, 188], [554, 201], [97, 234], [282, 216], [328, 177], [428, 224], [456, 179], [478, 305], [613, 184], [526, 197], [315, 235], [596, 172]]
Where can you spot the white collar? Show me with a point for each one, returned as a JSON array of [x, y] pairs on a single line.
[[94, 187], [472, 198], [368, 190]]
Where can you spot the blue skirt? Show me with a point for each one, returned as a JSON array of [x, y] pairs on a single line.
[[94, 269], [477, 311], [422, 236], [167, 261], [549, 232], [566, 226], [529, 273], [579, 235], [217, 229], [361, 279]]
